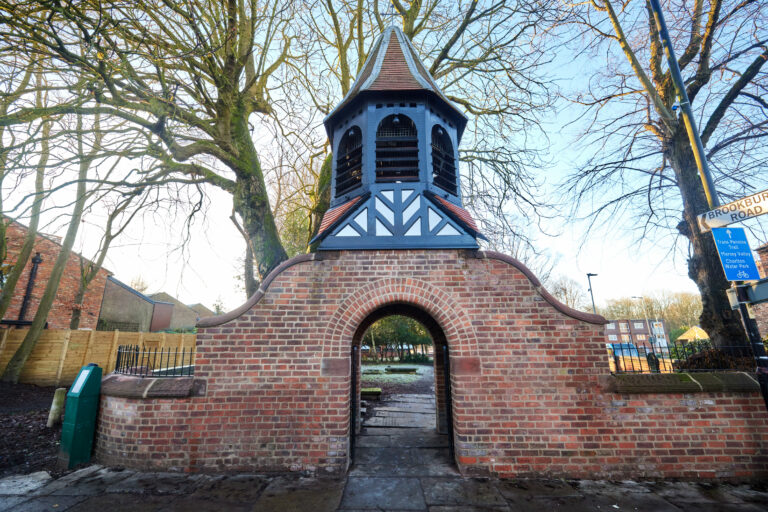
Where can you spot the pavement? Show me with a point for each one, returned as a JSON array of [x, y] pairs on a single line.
[[401, 464]]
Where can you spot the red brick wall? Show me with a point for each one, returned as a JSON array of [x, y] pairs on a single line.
[[61, 311], [526, 397]]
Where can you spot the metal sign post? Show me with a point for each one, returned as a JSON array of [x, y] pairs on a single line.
[[701, 161]]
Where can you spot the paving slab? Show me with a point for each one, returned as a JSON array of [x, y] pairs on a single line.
[[406, 407], [469, 508], [192, 504], [95, 483], [289, 494], [383, 493], [402, 420], [233, 489], [68, 479], [415, 397], [19, 485], [728, 493], [529, 489], [444, 470], [52, 503], [374, 440], [461, 491], [124, 503], [156, 483], [403, 456], [720, 507], [596, 503], [681, 492], [8, 503]]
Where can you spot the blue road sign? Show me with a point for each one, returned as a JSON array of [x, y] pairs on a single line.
[[735, 254]]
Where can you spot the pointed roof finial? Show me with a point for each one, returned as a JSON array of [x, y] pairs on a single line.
[[393, 65]]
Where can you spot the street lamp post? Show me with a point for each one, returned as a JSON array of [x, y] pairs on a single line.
[[589, 279], [651, 337]]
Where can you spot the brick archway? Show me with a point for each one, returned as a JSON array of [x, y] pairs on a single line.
[[343, 325], [443, 395]]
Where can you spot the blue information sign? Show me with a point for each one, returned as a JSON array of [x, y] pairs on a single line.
[[735, 254]]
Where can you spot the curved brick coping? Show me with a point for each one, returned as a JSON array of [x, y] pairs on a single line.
[[740, 382], [566, 310], [129, 386], [213, 321]]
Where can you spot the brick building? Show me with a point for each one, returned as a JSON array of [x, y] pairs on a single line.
[[522, 383], [48, 249], [637, 332]]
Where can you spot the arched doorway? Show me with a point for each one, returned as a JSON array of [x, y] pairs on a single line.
[[441, 364]]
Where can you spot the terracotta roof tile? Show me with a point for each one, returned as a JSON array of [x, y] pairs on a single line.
[[460, 212], [332, 215], [393, 65], [394, 74]]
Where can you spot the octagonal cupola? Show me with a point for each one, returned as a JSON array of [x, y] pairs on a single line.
[[395, 139]]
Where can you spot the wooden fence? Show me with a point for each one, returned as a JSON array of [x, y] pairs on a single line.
[[59, 353]]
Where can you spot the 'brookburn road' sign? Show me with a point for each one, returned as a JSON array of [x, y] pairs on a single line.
[[742, 209], [735, 254]]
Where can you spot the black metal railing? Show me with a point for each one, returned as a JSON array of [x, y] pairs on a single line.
[[155, 362], [694, 356]]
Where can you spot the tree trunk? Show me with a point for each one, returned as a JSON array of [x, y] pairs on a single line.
[[251, 283], [251, 201], [16, 364], [721, 323], [74, 322], [322, 199], [252, 204], [28, 245]]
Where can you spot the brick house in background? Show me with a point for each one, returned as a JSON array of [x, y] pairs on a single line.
[[48, 248], [636, 331]]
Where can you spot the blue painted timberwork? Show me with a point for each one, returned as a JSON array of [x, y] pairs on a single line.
[[396, 214]]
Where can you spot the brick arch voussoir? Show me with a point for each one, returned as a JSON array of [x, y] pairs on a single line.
[[366, 299]]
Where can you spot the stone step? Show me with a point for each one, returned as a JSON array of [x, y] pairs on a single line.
[[433, 440]]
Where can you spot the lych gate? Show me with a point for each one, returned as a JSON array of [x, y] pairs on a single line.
[[521, 390], [442, 384]]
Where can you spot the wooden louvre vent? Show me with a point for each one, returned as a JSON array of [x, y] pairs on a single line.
[[349, 164], [397, 150], [443, 161]]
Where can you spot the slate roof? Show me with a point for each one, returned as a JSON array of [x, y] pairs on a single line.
[[394, 65]]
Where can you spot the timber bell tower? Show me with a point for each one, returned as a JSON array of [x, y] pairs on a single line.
[[395, 139]]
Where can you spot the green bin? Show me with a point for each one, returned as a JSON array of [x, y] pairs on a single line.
[[79, 423]]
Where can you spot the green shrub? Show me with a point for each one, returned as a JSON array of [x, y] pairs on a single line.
[[416, 358]]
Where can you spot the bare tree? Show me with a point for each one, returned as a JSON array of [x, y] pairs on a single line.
[[488, 59], [677, 309], [118, 219], [16, 364], [569, 292], [11, 273], [189, 74], [643, 162]]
